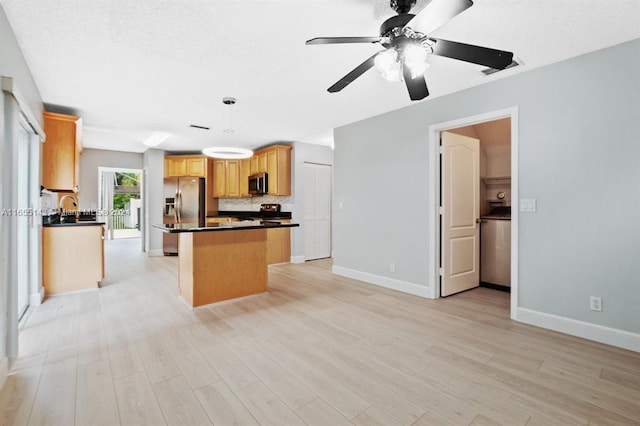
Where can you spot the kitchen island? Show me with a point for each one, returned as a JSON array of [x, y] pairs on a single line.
[[222, 261]]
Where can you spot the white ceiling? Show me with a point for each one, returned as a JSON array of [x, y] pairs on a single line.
[[134, 67]]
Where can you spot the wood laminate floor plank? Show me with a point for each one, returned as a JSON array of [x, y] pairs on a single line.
[[17, 396], [317, 349], [179, 404], [55, 402], [319, 413], [265, 406], [222, 406], [137, 403], [96, 398]]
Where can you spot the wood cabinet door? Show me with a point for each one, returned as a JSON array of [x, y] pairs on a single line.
[[219, 179], [254, 164], [175, 167], [262, 162], [245, 172], [233, 178], [196, 167], [272, 171], [60, 155]]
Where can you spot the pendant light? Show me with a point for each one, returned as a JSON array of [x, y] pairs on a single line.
[[228, 152]]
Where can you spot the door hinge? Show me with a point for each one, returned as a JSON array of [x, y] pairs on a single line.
[[441, 149], [441, 272], [441, 210]]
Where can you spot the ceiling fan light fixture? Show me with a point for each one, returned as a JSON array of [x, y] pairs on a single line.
[[227, 152], [415, 58], [387, 63]]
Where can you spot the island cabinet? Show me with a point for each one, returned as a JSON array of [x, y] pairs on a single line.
[[279, 244], [185, 165], [274, 160], [239, 269], [61, 152], [72, 257], [231, 178]]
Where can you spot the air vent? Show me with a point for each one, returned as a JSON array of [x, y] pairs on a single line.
[[489, 71], [195, 126]]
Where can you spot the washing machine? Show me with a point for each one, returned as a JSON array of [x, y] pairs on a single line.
[[495, 247]]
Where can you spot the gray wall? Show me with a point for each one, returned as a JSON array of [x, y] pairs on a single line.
[[579, 135], [303, 153], [153, 164], [12, 64], [90, 160]]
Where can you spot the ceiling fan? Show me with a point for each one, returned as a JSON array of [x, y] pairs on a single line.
[[407, 46]]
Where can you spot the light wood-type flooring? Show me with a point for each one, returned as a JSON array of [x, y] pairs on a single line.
[[319, 349]]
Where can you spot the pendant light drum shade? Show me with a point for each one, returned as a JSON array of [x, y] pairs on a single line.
[[228, 152]]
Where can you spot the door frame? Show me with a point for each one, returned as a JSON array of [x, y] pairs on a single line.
[[141, 172], [434, 197]]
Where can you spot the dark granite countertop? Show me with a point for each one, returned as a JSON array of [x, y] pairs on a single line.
[[80, 223], [253, 214], [224, 226]]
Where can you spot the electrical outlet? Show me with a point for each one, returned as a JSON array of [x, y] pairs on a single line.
[[595, 303], [392, 267]]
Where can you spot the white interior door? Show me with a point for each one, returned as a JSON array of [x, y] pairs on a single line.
[[460, 190], [317, 211], [22, 220]]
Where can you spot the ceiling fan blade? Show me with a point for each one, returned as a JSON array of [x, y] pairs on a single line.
[[355, 73], [341, 40], [417, 86], [437, 13], [498, 59]]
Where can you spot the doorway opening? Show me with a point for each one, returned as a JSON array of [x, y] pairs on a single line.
[[120, 202], [474, 184]]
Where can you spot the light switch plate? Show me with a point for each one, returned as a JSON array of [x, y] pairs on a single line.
[[528, 205]]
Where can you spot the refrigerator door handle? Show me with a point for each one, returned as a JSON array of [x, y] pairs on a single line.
[[176, 207], [179, 206]]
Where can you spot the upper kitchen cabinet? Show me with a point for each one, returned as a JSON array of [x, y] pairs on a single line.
[[185, 165], [278, 168], [231, 178], [259, 162], [61, 152]]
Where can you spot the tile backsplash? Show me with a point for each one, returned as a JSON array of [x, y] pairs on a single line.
[[253, 203]]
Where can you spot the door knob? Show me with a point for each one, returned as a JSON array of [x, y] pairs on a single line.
[[478, 220]]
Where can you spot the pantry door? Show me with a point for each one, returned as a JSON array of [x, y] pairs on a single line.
[[460, 214], [317, 211]]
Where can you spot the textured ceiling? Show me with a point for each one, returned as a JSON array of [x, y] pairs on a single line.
[[134, 67]]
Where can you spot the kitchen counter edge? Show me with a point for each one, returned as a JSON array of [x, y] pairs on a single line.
[[82, 223], [223, 227]]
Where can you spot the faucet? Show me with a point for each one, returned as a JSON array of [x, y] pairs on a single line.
[[61, 203]]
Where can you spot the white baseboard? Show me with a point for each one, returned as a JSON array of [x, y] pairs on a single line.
[[297, 259], [4, 371], [610, 336], [36, 299], [379, 280], [155, 253]]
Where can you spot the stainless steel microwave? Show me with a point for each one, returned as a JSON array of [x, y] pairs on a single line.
[[259, 184]]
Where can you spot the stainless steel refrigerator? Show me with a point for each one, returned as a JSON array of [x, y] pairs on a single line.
[[184, 202]]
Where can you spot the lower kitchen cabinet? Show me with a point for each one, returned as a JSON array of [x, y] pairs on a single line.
[[72, 257], [279, 244]]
